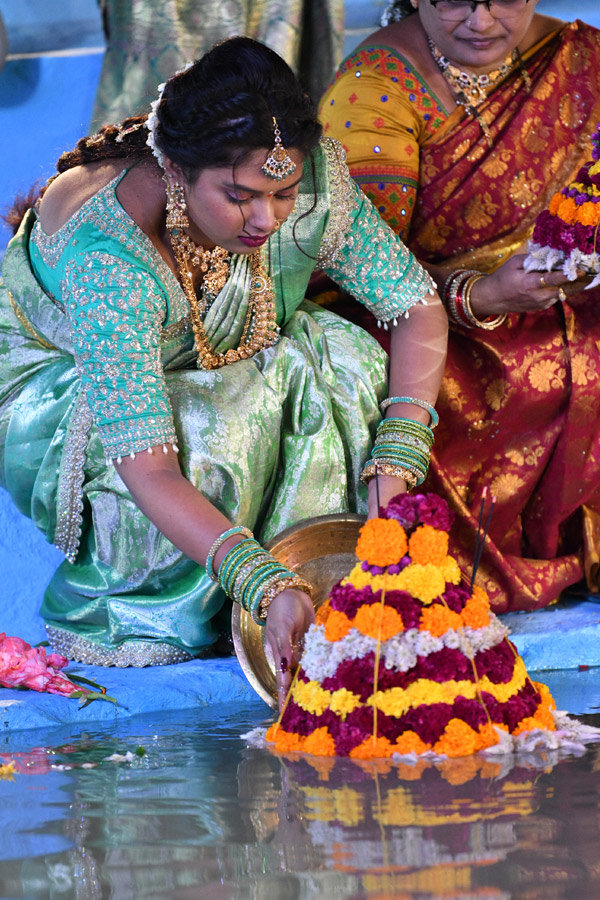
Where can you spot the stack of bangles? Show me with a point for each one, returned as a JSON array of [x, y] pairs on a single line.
[[456, 297], [402, 446], [250, 575]]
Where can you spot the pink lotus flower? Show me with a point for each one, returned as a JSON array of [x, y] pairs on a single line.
[[22, 665]]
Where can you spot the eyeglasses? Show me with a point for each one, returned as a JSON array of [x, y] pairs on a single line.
[[455, 10]]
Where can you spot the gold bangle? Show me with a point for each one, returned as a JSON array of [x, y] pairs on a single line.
[[277, 587], [369, 471], [487, 324]]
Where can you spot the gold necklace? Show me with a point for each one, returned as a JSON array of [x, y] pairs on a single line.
[[475, 86], [470, 90], [260, 327]]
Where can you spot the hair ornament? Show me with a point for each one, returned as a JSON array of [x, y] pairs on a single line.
[[152, 120], [279, 163]]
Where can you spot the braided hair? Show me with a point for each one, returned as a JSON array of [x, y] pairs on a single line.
[[214, 113]]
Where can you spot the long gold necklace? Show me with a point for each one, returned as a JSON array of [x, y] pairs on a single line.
[[470, 89], [260, 327]]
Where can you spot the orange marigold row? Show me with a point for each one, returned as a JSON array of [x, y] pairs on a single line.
[[383, 622]]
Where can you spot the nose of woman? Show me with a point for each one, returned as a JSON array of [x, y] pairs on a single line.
[[481, 19], [262, 217]]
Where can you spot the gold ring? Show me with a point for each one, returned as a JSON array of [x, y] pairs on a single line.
[[543, 281], [562, 295]]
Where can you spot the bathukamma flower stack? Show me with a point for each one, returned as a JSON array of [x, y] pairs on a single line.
[[566, 235], [404, 658]]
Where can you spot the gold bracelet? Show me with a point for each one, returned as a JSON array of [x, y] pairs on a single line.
[[276, 587], [487, 324], [369, 472]]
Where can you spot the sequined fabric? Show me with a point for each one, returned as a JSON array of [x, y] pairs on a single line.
[[149, 40], [111, 368], [519, 406]]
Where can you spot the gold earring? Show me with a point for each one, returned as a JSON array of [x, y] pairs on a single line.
[[175, 206]]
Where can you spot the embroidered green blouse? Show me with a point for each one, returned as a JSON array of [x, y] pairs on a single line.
[[129, 317]]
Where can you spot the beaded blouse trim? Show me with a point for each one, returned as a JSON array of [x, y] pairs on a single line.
[[69, 499], [339, 223], [130, 653], [104, 211]]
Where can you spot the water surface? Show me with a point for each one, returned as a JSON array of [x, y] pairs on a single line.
[[201, 816]]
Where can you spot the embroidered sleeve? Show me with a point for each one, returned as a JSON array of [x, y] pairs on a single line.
[[116, 312], [362, 253], [381, 110]]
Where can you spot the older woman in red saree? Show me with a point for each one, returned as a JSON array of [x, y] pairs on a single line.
[[460, 122]]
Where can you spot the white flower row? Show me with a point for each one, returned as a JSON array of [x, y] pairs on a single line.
[[544, 259], [321, 657]]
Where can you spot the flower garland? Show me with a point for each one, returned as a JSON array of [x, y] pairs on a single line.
[[405, 658]]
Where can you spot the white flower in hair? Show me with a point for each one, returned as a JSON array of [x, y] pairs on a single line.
[[152, 120]]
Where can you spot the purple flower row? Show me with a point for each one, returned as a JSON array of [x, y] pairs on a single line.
[[429, 721], [550, 231], [356, 675], [348, 599]]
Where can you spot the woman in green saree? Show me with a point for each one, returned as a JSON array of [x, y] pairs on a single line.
[[163, 377]]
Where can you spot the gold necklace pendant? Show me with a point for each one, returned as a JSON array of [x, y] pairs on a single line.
[[260, 326], [474, 88]]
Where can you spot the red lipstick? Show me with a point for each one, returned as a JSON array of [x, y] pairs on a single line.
[[253, 242]]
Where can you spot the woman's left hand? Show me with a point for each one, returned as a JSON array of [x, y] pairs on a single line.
[[289, 617], [389, 487]]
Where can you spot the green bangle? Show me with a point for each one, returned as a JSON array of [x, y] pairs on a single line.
[[415, 401], [237, 529]]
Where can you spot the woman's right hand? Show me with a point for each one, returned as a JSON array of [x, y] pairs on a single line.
[[289, 617], [510, 289]]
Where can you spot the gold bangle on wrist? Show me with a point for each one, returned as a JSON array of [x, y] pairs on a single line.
[[277, 587]]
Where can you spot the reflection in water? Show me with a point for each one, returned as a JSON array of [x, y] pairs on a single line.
[[201, 817]]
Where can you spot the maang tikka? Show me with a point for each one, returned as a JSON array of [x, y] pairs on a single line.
[[279, 163]]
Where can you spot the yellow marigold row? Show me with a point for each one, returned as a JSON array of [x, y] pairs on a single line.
[[313, 698], [425, 581]]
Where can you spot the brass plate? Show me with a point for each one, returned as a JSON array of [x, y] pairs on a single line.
[[321, 550]]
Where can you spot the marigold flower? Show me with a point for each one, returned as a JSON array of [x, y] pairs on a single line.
[[557, 199], [450, 571], [8, 771], [425, 582], [544, 691], [382, 542], [322, 613], [378, 622], [319, 743], [310, 696], [437, 620], [284, 741], [343, 702], [476, 612], [370, 747], [542, 718], [410, 742], [488, 735], [428, 545], [567, 210], [337, 626], [459, 739], [588, 214]]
